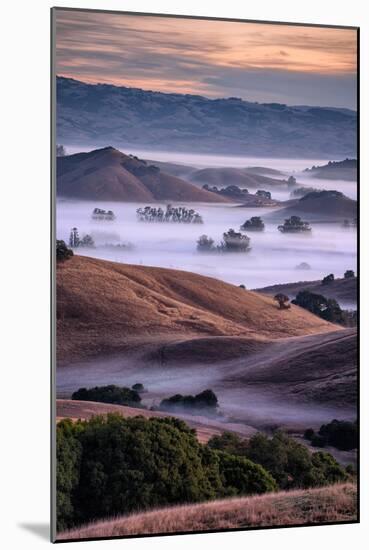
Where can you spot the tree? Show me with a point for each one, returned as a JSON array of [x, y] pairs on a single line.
[[282, 300], [108, 394], [138, 387], [241, 476], [60, 151], [62, 251], [328, 279], [255, 223], [291, 182], [205, 244], [235, 242], [87, 241], [340, 434], [74, 240], [294, 224], [326, 308], [206, 402], [349, 274]]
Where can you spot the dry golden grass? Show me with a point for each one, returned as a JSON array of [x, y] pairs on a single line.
[[104, 305], [336, 503]]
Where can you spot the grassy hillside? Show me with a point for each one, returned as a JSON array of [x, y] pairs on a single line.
[[336, 503], [102, 305]]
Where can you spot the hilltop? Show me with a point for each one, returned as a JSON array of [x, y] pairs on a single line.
[[91, 114], [103, 305], [335, 503], [331, 206], [108, 174], [341, 170]]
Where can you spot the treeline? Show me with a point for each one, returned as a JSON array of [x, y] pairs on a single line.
[[341, 434], [113, 465], [289, 462]]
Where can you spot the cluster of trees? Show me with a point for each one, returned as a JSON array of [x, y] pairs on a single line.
[[75, 241], [341, 434], [326, 308], [294, 224], [290, 463], [179, 214], [302, 191], [232, 242], [328, 279], [112, 465], [62, 251], [231, 191], [255, 223], [205, 402], [109, 394], [100, 214]]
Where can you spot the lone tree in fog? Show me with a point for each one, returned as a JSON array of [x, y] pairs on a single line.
[[74, 240], [349, 274], [205, 244], [282, 300], [235, 242], [328, 279], [255, 223], [291, 182]]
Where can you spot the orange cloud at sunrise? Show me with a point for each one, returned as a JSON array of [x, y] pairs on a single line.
[[213, 58]]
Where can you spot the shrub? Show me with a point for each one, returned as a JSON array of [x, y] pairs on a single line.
[[328, 279], [205, 401], [349, 274], [240, 476], [108, 394], [340, 434], [62, 251]]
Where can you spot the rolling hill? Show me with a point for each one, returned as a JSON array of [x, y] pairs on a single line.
[[342, 290], [108, 174], [341, 170], [335, 503], [91, 114], [103, 305], [221, 177], [332, 206]]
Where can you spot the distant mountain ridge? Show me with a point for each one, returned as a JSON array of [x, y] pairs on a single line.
[[93, 114]]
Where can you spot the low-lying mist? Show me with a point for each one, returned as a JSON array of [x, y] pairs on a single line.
[[273, 257]]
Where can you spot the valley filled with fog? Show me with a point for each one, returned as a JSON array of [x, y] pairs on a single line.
[[273, 257]]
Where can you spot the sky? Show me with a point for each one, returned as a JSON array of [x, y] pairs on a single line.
[[254, 61]]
